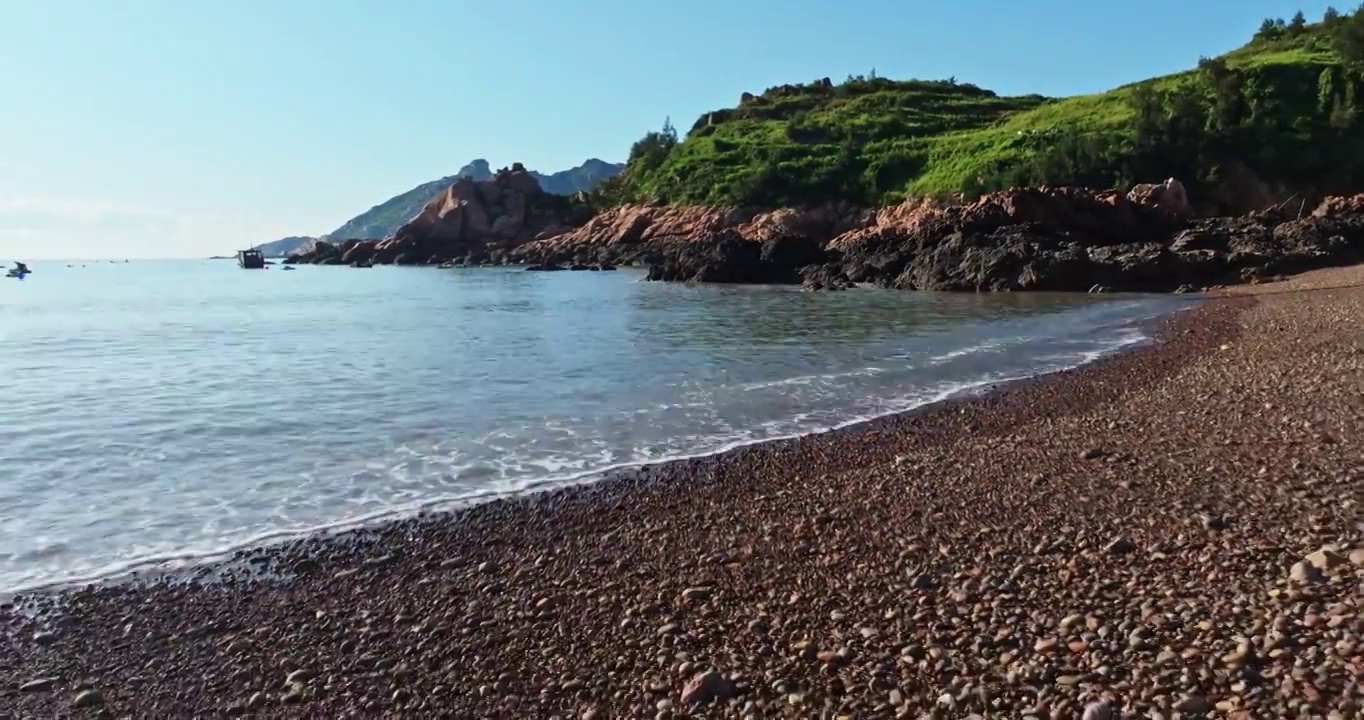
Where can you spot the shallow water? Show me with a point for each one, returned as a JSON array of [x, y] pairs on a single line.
[[180, 409]]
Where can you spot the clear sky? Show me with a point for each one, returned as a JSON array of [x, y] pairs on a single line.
[[169, 128]]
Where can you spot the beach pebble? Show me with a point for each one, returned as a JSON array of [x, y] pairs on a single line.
[[707, 687], [696, 593], [1325, 559], [1304, 572], [88, 699], [1120, 546], [299, 677], [39, 685], [1192, 704], [1098, 711]]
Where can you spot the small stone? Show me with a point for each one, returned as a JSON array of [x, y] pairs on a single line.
[[669, 629], [39, 685], [1045, 645], [1098, 711], [696, 593], [1120, 546], [299, 677], [1214, 522], [708, 687], [88, 699], [921, 582], [1093, 453], [573, 685], [1325, 559], [487, 566], [45, 638], [1193, 704], [257, 701], [1356, 556], [1304, 572]]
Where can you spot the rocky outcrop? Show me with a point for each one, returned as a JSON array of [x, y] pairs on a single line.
[[1024, 239], [1066, 239], [469, 222], [1047, 238], [697, 244]]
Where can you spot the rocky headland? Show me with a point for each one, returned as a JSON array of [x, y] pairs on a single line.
[[470, 222], [1044, 239], [791, 184]]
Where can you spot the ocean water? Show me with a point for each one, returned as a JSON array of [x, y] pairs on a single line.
[[171, 411]]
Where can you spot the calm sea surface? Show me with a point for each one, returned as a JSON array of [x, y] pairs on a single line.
[[173, 410]]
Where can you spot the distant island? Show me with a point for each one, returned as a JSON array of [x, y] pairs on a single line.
[[385, 218], [1235, 171]]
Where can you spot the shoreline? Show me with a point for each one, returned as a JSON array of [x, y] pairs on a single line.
[[192, 566], [1122, 531]]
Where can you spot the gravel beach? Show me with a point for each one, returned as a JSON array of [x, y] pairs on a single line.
[[1174, 532]]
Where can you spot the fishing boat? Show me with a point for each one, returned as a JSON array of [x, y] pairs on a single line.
[[252, 259]]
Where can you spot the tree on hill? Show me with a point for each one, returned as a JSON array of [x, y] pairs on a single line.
[[1330, 17], [1349, 38], [1228, 92], [651, 150], [1270, 29], [1297, 25]]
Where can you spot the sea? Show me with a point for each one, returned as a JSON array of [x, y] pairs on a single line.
[[164, 413]]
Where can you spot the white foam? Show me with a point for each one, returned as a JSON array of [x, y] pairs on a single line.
[[811, 379]]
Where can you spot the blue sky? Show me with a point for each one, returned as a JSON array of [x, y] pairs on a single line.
[[168, 128]]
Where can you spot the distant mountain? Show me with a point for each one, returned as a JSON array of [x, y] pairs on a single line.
[[284, 246], [385, 218]]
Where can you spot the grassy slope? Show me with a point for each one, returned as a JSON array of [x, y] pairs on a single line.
[[876, 140]]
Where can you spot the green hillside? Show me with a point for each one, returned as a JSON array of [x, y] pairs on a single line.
[[1284, 107]]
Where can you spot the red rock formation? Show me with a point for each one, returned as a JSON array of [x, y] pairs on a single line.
[[639, 232], [469, 219]]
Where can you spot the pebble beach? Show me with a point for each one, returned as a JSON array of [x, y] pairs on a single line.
[[1171, 532]]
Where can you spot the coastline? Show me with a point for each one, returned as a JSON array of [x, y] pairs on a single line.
[[253, 552], [1004, 552]]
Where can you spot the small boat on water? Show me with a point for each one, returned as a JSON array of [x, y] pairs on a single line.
[[252, 259]]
